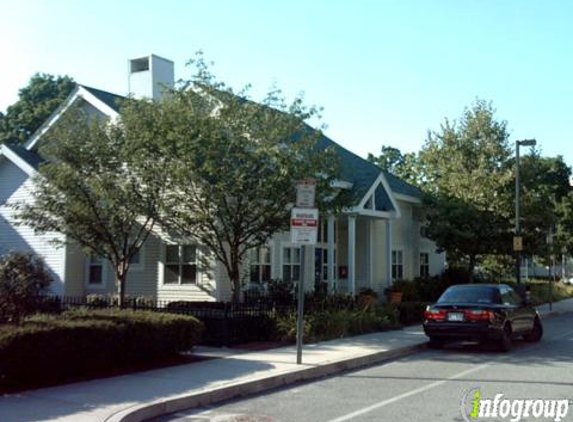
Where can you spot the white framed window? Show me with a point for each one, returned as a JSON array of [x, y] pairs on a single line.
[[95, 272], [180, 267], [260, 265], [424, 264], [397, 264], [291, 263], [321, 264]]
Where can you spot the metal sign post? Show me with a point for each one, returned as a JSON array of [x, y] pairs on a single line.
[[300, 309], [304, 230]]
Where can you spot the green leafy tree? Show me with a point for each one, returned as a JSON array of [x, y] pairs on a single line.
[[91, 191], [565, 223], [466, 170], [37, 101], [232, 166], [405, 166], [544, 183]]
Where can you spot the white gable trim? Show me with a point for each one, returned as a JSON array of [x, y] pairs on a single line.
[[97, 103], [16, 159], [31, 143], [407, 198], [381, 179], [78, 92]]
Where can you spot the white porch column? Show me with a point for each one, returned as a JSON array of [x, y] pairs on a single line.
[[330, 252], [370, 266], [352, 254], [388, 249]]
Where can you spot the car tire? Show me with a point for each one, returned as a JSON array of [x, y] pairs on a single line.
[[536, 333], [504, 343], [436, 343]]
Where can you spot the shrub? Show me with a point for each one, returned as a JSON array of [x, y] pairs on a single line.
[[82, 342], [410, 312], [103, 301], [97, 301], [23, 277], [408, 288], [336, 323]]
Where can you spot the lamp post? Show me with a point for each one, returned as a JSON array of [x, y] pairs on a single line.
[[517, 244]]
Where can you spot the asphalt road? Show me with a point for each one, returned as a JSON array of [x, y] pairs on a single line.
[[429, 386]]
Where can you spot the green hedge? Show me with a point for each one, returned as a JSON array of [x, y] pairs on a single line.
[[410, 312], [79, 343]]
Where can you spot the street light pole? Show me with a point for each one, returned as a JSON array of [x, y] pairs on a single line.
[[531, 143]]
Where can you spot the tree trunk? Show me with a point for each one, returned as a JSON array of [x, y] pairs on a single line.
[[471, 267], [235, 276], [120, 279]]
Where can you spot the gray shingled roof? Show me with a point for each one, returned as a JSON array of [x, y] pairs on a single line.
[[108, 98], [399, 186], [355, 169], [362, 173], [28, 156]]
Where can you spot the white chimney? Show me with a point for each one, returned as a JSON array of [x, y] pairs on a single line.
[[149, 76]]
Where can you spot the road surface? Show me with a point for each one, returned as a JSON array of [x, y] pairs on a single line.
[[429, 386]]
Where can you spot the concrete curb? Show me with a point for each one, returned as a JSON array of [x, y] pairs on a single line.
[[146, 411]]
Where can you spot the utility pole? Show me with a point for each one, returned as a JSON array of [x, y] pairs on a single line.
[[517, 240]]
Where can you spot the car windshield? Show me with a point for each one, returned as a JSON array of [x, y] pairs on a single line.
[[470, 294]]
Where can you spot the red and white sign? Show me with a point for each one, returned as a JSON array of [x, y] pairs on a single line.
[[305, 193], [304, 225]]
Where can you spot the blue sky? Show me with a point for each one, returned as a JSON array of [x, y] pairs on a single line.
[[385, 71]]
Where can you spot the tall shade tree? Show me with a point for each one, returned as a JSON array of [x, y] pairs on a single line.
[[37, 101], [232, 166], [91, 191], [544, 185], [467, 171], [565, 223], [405, 166]]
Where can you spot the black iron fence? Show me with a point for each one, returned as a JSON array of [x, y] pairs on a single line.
[[226, 323]]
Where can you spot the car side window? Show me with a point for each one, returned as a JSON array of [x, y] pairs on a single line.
[[515, 297], [507, 296]]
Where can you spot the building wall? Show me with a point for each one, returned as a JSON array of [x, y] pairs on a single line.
[[16, 187]]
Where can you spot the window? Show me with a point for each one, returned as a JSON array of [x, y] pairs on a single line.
[[321, 264], [424, 265], [260, 260], [95, 270], [291, 264], [397, 265], [180, 264]]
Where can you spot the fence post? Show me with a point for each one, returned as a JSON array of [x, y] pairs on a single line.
[[225, 330]]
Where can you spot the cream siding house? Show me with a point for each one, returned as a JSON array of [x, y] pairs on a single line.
[[367, 246]]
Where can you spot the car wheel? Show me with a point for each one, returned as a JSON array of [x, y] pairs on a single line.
[[505, 342], [536, 333], [436, 343]]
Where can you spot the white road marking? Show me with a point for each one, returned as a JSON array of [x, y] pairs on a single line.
[[426, 387], [408, 394]]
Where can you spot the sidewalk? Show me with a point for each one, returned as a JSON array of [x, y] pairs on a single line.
[[139, 396]]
